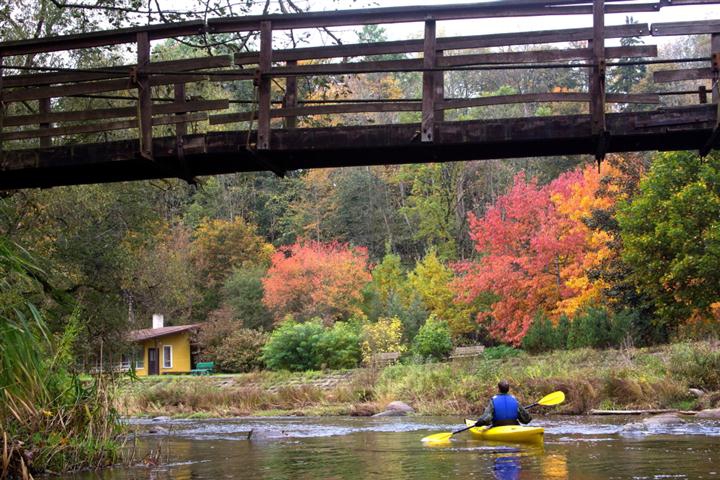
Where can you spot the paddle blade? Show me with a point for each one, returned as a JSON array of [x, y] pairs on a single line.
[[438, 438], [554, 398]]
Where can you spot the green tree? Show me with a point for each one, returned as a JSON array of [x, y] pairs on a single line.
[[671, 236], [541, 336], [243, 292], [433, 340], [624, 79], [433, 282]]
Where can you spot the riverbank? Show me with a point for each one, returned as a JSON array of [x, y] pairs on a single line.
[[659, 378]]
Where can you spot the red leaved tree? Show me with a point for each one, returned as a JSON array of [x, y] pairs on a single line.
[[536, 251], [314, 279]]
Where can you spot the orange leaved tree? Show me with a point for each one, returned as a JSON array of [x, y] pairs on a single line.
[[313, 279], [537, 251]]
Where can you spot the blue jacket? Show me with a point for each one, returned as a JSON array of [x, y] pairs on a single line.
[[505, 408]]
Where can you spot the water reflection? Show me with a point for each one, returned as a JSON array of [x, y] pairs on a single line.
[[554, 466], [351, 448], [507, 467]]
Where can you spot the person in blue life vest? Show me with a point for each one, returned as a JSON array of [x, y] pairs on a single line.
[[504, 409]]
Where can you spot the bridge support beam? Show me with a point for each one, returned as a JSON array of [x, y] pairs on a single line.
[[715, 78], [2, 110], [290, 98], [597, 81], [44, 109], [715, 52], [144, 104], [427, 127], [180, 132], [439, 91], [263, 132]]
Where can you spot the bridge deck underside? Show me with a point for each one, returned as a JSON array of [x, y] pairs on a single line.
[[225, 152]]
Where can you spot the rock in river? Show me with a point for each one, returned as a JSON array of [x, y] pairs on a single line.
[[400, 407], [395, 409], [664, 419], [654, 421], [712, 413]]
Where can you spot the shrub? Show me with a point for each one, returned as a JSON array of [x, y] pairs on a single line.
[[698, 365], [596, 328], [241, 351], [562, 331], [433, 340], [221, 324], [294, 346], [309, 346], [500, 352], [339, 346], [383, 336], [541, 336], [50, 420]]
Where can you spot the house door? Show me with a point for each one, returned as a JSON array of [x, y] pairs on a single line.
[[153, 362]]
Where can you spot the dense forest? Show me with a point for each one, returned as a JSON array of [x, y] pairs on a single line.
[[542, 253]]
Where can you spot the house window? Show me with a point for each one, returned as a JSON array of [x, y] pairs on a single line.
[[136, 357], [167, 356]]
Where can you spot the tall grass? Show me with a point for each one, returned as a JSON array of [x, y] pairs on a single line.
[[49, 420]]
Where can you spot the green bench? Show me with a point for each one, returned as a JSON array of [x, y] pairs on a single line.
[[203, 368]]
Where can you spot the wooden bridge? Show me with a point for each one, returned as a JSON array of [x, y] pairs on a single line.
[[43, 146]]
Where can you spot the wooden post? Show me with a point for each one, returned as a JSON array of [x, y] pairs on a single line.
[[597, 74], [428, 95], [702, 94], [290, 99], [439, 91], [180, 128], [715, 58], [263, 132], [2, 109], [180, 132], [44, 109], [144, 104], [715, 52]]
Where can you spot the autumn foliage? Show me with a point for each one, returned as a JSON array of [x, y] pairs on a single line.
[[537, 251], [314, 279]]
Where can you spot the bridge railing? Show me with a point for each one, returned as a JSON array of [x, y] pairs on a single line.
[[134, 83]]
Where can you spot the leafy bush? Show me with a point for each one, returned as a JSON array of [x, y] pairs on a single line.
[[433, 340], [500, 352], [383, 336], [240, 351], [696, 364], [310, 346], [339, 346], [294, 346]]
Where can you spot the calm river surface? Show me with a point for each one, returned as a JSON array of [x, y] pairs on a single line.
[[390, 448]]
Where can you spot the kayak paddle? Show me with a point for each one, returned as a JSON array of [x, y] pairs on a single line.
[[554, 398]]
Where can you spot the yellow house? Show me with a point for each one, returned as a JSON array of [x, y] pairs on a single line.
[[163, 349]]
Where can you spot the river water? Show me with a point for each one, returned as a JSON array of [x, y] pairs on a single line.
[[390, 448]]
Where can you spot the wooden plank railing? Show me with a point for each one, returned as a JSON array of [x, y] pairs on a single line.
[[439, 55]]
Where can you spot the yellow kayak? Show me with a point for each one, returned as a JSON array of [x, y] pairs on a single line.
[[510, 433]]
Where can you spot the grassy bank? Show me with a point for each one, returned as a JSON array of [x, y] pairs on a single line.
[[628, 378], [49, 420]]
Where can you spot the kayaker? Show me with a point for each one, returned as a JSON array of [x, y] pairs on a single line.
[[504, 409]]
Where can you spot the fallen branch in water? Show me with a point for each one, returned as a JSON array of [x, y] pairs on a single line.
[[641, 412]]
